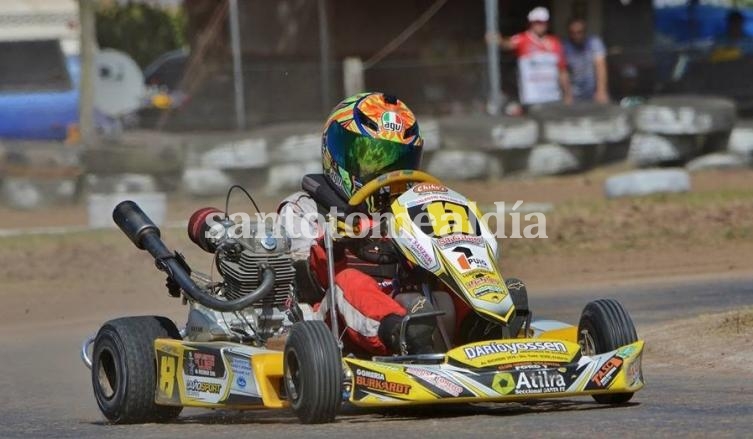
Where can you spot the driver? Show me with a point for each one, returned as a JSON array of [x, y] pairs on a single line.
[[365, 136]]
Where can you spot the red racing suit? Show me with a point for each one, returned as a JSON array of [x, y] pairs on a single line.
[[363, 300]]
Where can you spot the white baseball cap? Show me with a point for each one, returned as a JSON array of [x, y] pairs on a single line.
[[538, 14]]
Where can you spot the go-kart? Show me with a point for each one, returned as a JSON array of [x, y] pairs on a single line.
[[144, 369]]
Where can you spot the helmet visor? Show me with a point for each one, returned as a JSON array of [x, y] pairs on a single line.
[[366, 158]]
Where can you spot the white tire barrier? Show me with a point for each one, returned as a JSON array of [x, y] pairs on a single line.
[[652, 149], [741, 142], [250, 153], [27, 193], [717, 160], [119, 183], [685, 115], [100, 207], [647, 182], [287, 176], [202, 182], [482, 132], [549, 159], [583, 124], [463, 165]]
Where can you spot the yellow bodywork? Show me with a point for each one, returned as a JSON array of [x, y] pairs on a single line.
[[488, 371], [260, 370], [496, 377]]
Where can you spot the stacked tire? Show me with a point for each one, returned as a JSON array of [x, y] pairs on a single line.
[[578, 137], [672, 130]]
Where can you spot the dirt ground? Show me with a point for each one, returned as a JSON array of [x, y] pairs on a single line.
[[666, 344]]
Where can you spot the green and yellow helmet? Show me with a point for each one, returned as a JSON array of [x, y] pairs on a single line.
[[367, 135]]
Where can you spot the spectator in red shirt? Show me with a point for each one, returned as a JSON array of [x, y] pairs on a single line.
[[542, 70]]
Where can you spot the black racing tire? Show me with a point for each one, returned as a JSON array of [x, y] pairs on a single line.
[[124, 369], [313, 372], [605, 326]]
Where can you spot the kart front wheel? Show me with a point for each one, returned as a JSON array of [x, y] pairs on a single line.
[[313, 372], [124, 369], [605, 326]]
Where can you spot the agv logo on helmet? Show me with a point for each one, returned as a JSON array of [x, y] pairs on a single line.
[[391, 121]]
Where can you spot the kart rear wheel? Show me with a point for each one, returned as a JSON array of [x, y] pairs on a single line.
[[313, 372], [605, 326], [124, 369]]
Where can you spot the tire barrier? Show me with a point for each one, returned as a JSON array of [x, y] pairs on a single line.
[[716, 161], [205, 182], [38, 174], [463, 165], [552, 160], [647, 182], [100, 207], [32, 193], [583, 124], [554, 139], [594, 133], [741, 141], [689, 126], [119, 183]]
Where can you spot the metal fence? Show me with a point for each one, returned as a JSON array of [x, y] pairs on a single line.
[[290, 90]]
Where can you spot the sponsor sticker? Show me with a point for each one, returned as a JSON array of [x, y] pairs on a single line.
[[376, 381], [634, 373], [467, 261], [607, 372], [527, 366], [512, 348], [436, 380], [539, 381], [195, 386], [417, 249], [422, 188], [503, 383], [452, 240], [241, 367], [432, 197], [203, 364], [391, 121], [483, 281], [626, 351], [241, 382]]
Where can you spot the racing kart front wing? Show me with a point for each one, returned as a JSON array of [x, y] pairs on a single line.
[[235, 376]]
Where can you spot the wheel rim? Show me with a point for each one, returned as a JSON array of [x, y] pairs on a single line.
[[587, 344], [107, 375], [292, 375]]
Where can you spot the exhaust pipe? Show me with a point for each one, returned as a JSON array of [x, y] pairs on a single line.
[[145, 235]]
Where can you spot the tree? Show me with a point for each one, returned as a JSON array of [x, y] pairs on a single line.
[[142, 31]]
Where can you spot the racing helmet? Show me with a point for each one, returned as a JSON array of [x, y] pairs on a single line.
[[365, 136]]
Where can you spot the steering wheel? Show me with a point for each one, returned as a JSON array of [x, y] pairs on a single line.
[[401, 176]]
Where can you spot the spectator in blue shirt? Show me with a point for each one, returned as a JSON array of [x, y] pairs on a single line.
[[735, 42], [586, 60]]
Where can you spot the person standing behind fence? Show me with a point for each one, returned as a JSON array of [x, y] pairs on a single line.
[[542, 71], [586, 62]]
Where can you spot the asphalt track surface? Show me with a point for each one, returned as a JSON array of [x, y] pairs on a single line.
[[45, 390]]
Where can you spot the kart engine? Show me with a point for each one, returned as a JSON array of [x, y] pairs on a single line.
[[240, 251]]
